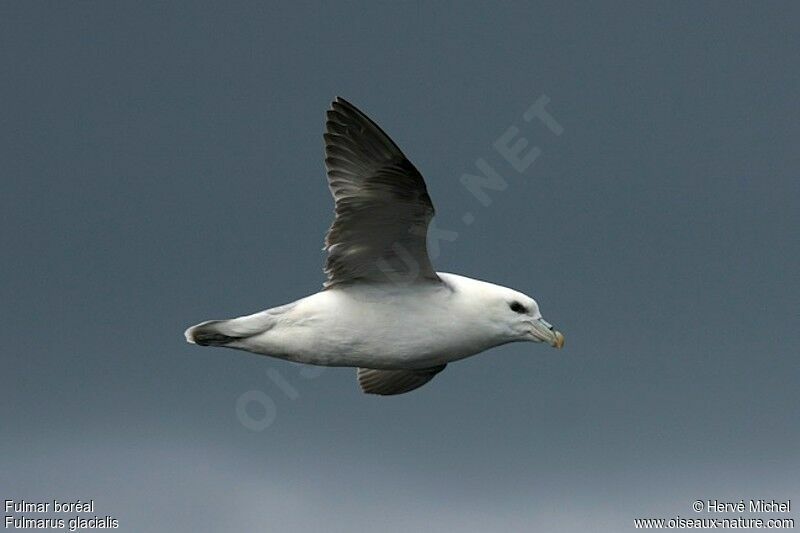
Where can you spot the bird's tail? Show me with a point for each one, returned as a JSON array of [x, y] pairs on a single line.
[[209, 333], [224, 332]]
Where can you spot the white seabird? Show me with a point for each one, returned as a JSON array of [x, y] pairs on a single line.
[[383, 308]]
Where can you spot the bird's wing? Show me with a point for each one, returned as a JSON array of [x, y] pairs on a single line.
[[388, 382], [382, 205]]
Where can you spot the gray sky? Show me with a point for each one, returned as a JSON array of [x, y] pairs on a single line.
[[162, 165]]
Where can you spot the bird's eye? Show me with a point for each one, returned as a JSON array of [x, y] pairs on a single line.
[[517, 307]]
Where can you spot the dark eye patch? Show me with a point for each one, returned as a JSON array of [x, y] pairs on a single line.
[[517, 307]]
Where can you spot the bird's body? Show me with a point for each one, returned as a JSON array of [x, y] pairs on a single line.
[[383, 309], [381, 326]]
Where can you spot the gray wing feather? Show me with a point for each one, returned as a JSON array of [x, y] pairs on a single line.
[[382, 205], [390, 382]]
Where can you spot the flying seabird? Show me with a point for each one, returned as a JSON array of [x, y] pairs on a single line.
[[383, 308]]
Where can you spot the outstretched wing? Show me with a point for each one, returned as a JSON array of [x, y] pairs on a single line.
[[390, 382], [382, 205]]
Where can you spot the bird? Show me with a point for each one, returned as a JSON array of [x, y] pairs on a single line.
[[383, 309]]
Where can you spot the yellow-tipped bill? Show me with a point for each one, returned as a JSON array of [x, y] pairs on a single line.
[[559, 340], [545, 332]]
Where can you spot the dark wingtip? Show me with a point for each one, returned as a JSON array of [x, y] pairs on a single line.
[[212, 339], [342, 102]]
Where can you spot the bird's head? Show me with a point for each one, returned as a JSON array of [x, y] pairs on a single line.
[[509, 315], [525, 321], [519, 315]]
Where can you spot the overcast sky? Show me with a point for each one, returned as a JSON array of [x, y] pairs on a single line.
[[162, 165]]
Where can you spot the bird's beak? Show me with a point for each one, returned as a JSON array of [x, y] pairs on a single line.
[[545, 332]]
